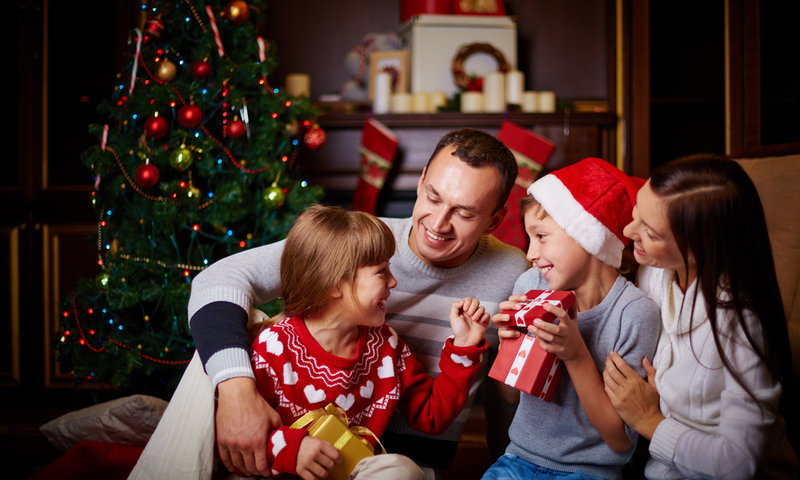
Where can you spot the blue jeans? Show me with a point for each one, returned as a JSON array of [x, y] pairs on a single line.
[[513, 467]]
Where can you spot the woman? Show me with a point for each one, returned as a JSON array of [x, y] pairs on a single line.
[[723, 360]]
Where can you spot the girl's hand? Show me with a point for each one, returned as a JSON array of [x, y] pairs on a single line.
[[469, 322], [500, 319], [635, 400], [563, 339], [315, 458]]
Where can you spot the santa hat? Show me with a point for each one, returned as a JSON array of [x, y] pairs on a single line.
[[592, 201]]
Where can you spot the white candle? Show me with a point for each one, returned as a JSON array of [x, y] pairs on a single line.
[[515, 84], [547, 102], [420, 102], [383, 93], [438, 99], [472, 102], [298, 85], [530, 102], [494, 95], [401, 103]]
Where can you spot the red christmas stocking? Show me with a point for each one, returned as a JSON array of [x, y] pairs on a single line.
[[378, 148], [531, 152]]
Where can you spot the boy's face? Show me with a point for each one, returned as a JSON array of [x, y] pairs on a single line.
[[564, 263]]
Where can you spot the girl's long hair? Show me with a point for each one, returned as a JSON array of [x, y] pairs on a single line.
[[327, 245], [717, 219]]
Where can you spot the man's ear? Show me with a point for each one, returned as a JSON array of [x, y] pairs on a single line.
[[497, 219], [421, 180]]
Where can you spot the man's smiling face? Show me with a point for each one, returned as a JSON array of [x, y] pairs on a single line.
[[455, 206]]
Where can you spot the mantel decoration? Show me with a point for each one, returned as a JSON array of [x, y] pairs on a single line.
[[479, 7], [461, 78]]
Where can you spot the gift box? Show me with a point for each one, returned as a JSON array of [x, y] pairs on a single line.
[[533, 308], [331, 425], [521, 363]]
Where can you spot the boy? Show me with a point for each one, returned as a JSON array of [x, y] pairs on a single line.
[[574, 218]]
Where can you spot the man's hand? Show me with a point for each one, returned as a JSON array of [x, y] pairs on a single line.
[[244, 420], [469, 322], [315, 458]]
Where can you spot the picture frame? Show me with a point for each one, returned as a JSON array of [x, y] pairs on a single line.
[[395, 62], [479, 7]]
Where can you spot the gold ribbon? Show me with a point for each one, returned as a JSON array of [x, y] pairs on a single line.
[[356, 431]]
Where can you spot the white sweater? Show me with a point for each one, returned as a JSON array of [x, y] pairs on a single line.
[[713, 428]]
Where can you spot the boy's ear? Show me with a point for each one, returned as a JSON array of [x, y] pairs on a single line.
[[336, 292], [497, 219]]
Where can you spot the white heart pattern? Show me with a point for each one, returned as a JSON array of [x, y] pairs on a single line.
[[346, 402], [461, 359], [366, 390], [393, 341], [313, 395], [289, 376], [278, 443], [274, 346], [386, 370]]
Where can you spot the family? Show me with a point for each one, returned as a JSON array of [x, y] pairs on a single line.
[[695, 358]]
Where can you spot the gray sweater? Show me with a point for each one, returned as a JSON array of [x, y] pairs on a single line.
[[559, 435], [418, 308]]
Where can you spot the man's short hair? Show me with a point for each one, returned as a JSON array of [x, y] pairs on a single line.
[[479, 149]]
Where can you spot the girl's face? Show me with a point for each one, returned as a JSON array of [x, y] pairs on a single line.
[[653, 242], [365, 296]]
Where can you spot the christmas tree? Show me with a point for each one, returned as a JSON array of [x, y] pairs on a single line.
[[197, 162]]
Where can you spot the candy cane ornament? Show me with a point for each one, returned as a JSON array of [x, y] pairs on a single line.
[[135, 58], [217, 38]]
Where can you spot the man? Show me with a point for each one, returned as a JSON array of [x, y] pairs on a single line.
[[444, 252]]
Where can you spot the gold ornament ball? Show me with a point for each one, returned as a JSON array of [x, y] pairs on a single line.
[[180, 159], [165, 71], [237, 12]]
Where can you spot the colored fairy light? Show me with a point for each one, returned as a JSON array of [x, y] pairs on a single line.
[[230, 232], [210, 194], [172, 104], [66, 314], [219, 161], [111, 322], [294, 142], [303, 183], [187, 19], [108, 247], [104, 310], [66, 333], [135, 116], [183, 184], [81, 341], [186, 273], [288, 103], [205, 261], [274, 115], [276, 90], [120, 327], [90, 311], [205, 91], [195, 227], [108, 213], [91, 332], [242, 244]]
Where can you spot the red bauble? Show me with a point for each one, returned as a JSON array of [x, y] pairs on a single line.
[[155, 127], [237, 12], [146, 175], [190, 116], [315, 137], [154, 27], [236, 129], [201, 69]]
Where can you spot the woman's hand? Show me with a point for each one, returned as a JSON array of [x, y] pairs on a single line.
[[635, 399]]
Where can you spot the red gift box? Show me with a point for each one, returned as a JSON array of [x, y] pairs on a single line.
[[521, 363], [533, 308]]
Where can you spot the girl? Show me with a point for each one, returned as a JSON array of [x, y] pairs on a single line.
[[335, 348], [723, 358]]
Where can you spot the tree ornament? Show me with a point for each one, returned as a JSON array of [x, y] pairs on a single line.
[[292, 128], [236, 129], [273, 197], [237, 12], [315, 137], [201, 69], [154, 27], [155, 127], [180, 158], [147, 175], [165, 70], [190, 116]]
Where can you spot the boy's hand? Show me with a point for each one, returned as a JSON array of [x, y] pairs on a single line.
[[564, 339], [500, 319], [469, 322], [315, 458]]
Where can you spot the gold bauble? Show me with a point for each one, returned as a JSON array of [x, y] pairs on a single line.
[[165, 70]]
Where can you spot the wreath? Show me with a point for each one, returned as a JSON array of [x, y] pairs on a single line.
[[461, 78]]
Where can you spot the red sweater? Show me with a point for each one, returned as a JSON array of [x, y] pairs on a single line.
[[295, 375]]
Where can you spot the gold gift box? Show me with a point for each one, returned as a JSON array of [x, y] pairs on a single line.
[[331, 425]]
